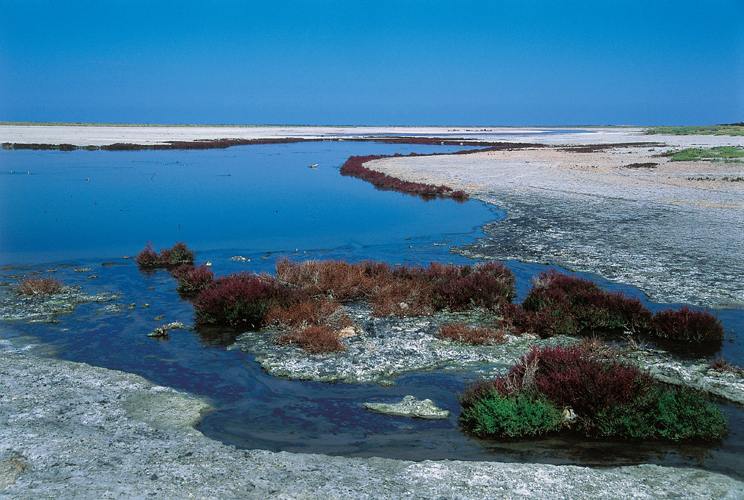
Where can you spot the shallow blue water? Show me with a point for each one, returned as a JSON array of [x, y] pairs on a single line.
[[261, 198], [263, 202]]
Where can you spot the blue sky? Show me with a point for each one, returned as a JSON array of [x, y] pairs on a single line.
[[515, 62]]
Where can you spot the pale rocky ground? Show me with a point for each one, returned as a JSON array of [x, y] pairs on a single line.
[[674, 231], [70, 430]]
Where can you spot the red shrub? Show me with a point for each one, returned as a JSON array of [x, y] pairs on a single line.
[[337, 280], [40, 286], [176, 255], [403, 297], [562, 304], [148, 257], [688, 325], [308, 312], [458, 288], [313, 339], [192, 279], [354, 167], [241, 299], [462, 333], [588, 386]]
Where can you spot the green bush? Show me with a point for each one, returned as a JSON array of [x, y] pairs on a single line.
[[608, 398], [672, 414], [512, 416]]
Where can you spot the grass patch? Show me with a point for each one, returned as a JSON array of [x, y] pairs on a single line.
[[718, 153], [728, 129]]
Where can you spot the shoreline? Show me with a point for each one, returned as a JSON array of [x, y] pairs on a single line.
[[77, 431]]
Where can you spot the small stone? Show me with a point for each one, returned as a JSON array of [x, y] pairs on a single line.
[[159, 317], [409, 406], [145, 306], [92, 276], [163, 331]]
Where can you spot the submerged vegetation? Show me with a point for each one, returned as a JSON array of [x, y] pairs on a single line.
[[727, 129], [567, 387]]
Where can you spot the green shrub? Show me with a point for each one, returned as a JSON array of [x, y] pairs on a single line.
[[673, 414], [512, 416]]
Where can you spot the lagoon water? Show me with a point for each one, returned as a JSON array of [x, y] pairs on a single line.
[[84, 208]]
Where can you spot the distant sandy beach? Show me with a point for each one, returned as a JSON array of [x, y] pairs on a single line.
[[104, 135]]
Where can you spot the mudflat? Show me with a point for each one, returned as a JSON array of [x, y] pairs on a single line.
[[673, 229]]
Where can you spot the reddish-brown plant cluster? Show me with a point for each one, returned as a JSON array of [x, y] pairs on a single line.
[[192, 279], [471, 335], [406, 291], [315, 339], [176, 255], [241, 299], [688, 325], [559, 304], [40, 286], [354, 167], [568, 379]]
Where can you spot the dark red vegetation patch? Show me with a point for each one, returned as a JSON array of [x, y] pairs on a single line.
[[192, 279], [241, 299], [471, 335], [354, 167], [687, 325], [406, 291], [40, 286], [314, 339], [600, 397], [563, 304], [176, 255]]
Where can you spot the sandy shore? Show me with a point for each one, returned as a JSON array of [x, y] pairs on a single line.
[[674, 231], [99, 135]]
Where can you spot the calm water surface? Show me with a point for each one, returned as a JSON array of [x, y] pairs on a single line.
[[80, 209]]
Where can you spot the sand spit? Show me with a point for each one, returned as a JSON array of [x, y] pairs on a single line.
[[74, 431], [672, 229]]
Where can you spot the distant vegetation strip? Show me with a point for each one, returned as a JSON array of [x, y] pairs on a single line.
[[724, 129], [726, 154], [226, 143]]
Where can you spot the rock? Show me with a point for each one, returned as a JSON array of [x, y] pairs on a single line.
[[409, 406], [163, 331], [239, 258], [159, 317]]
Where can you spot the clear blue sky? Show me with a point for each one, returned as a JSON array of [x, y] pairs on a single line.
[[499, 62]]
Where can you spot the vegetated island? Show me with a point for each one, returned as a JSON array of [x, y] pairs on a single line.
[[586, 386]]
